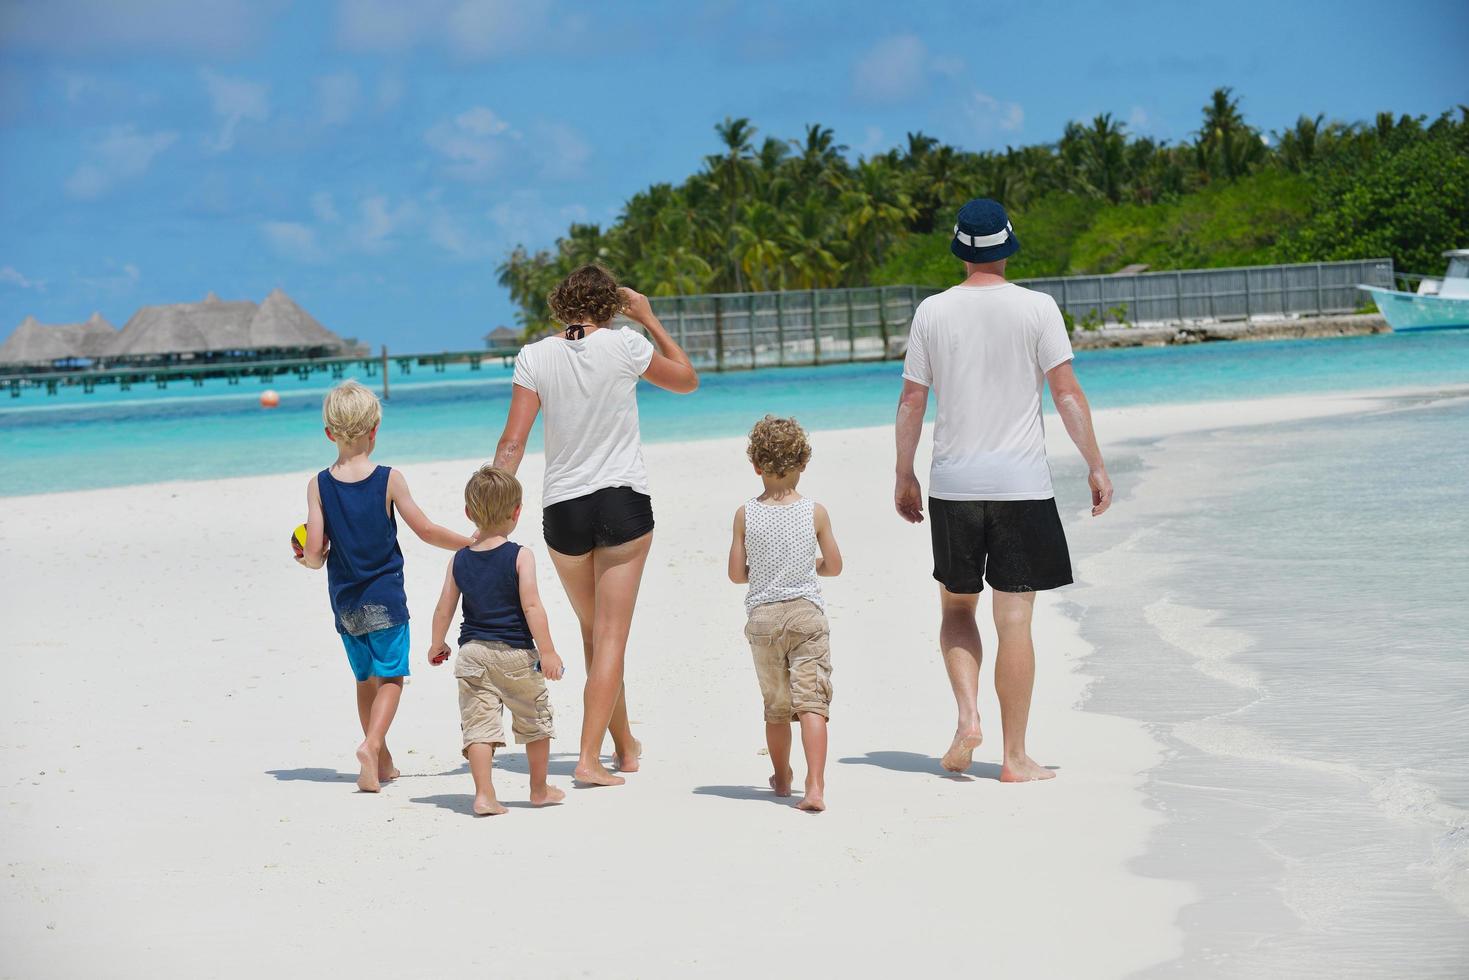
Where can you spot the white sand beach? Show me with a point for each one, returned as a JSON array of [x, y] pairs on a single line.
[[176, 749]]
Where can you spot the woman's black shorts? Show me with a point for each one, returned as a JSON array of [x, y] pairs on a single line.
[[1014, 545], [601, 519]]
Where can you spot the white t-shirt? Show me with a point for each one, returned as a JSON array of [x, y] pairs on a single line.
[[985, 351], [588, 392]]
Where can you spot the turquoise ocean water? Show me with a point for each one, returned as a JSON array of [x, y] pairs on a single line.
[[76, 441]]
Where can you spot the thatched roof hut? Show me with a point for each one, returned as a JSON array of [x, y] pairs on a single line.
[[502, 337], [218, 326], [39, 343]]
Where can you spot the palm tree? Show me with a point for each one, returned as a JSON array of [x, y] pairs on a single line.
[[731, 171], [876, 209]]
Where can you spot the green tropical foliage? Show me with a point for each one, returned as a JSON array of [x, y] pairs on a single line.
[[768, 213]]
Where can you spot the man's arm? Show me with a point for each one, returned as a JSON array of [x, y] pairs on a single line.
[[912, 404], [739, 562], [1077, 415], [427, 531], [438, 649], [535, 616], [524, 406]]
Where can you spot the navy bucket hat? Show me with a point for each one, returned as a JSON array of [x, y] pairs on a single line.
[[983, 233]]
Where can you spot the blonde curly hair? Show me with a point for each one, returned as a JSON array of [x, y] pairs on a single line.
[[589, 295], [778, 446]]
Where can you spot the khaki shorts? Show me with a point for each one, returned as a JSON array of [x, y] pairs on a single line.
[[493, 676], [792, 648]]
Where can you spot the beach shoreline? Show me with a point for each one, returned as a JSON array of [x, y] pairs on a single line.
[[194, 812]]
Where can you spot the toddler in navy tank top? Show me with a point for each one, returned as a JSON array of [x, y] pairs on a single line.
[[505, 648], [352, 510]]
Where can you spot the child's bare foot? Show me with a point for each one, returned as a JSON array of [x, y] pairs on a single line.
[[488, 806], [595, 775], [961, 750], [629, 762], [782, 783], [815, 799], [549, 796], [1023, 770], [367, 780]]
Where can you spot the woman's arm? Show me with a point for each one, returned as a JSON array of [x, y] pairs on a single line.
[[524, 406], [670, 368]]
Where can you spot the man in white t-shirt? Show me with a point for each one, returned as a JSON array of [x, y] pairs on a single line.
[[986, 347]]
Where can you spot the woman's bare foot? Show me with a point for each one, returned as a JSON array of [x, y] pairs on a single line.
[[782, 784], [488, 806], [961, 750], [628, 763], [815, 799], [367, 780], [386, 771], [549, 796], [1023, 770], [595, 775]]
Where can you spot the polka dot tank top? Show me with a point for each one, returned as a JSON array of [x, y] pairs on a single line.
[[781, 552]]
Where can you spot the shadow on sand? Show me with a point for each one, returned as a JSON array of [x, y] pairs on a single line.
[[561, 764], [316, 774], [927, 764], [464, 803], [760, 793]]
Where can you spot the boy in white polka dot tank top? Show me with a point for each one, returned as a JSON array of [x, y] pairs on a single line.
[[782, 542]]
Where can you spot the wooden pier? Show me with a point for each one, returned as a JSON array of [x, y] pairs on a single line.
[[125, 376]]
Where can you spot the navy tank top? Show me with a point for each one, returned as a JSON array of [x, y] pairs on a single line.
[[364, 565], [491, 589]]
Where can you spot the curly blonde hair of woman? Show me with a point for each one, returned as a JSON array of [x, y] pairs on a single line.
[[589, 295], [778, 446]]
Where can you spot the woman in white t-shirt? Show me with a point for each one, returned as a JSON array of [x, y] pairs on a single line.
[[597, 517]]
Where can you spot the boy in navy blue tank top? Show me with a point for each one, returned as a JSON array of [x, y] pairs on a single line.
[[505, 648], [352, 528]]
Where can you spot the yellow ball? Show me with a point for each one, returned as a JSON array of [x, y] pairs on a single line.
[[298, 537]]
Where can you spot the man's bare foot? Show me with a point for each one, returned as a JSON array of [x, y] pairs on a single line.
[[961, 750], [488, 806], [595, 775], [782, 784], [1024, 770], [628, 763], [367, 780], [549, 796], [815, 799]]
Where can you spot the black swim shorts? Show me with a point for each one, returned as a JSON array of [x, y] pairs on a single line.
[[1014, 545], [601, 519]]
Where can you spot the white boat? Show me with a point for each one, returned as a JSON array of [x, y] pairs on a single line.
[[1437, 303]]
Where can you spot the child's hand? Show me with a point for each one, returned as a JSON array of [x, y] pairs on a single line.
[[438, 653], [551, 666]]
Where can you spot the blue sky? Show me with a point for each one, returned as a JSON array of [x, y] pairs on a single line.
[[376, 159]]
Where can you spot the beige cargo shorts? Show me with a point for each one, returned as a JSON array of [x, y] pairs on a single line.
[[494, 676], [791, 644]]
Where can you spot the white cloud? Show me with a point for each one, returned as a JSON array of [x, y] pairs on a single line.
[[389, 92], [117, 278], [292, 240], [469, 29], [324, 208], [234, 100], [989, 113], [893, 70], [474, 142], [564, 153], [379, 222], [122, 153], [189, 27], [337, 96], [15, 277]]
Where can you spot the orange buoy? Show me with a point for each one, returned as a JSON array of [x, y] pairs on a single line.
[[269, 399]]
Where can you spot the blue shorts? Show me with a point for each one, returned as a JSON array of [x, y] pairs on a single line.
[[381, 653]]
